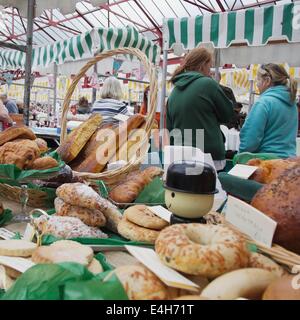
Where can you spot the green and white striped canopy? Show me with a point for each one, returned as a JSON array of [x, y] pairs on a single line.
[[80, 47], [252, 26]]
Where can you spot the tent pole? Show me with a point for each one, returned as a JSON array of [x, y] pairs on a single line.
[[94, 90], [54, 87], [163, 94], [217, 65], [30, 17]]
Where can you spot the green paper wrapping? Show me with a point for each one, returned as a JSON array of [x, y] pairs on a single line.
[[105, 264], [243, 158], [153, 193], [239, 188], [13, 173], [5, 217]]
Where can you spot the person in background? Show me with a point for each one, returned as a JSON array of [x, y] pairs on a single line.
[[272, 124], [198, 102], [10, 105], [144, 108], [238, 119], [83, 106], [111, 103], [228, 91], [20, 106], [4, 116]]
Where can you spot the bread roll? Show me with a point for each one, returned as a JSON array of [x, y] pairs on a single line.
[[269, 170], [44, 163], [77, 139], [12, 133], [42, 144], [280, 201], [282, 289]]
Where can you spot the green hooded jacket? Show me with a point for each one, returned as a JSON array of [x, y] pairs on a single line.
[[198, 102]]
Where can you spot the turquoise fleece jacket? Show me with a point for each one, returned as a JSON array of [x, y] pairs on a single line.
[[272, 124]]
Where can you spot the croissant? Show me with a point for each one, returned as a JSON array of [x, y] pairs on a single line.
[[129, 190]]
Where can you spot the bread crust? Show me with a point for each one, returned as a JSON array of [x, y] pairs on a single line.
[[18, 132]]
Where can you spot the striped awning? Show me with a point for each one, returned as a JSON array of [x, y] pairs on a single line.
[[81, 47], [252, 26]]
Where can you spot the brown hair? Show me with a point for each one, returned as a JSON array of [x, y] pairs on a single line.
[[193, 61], [83, 101], [279, 76]]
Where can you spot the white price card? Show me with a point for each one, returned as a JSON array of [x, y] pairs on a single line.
[[29, 232], [6, 234], [19, 264], [242, 171], [121, 117], [170, 277], [161, 212], [250, 221]]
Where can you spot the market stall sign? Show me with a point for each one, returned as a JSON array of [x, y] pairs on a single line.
[[6, 234], [19, 264], [170, 277], [161, 212], [250, 221]]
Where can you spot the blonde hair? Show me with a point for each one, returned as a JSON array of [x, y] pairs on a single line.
[[279, 76], [193, 61], [112, 89]]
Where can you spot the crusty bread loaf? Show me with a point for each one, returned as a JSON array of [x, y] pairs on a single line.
[[12, 133], [110, 143], [42, 144], [129, 190], [78, 138], [280, 200], [44, 163], [269, 170]]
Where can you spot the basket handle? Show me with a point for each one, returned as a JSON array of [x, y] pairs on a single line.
[[151, 72]]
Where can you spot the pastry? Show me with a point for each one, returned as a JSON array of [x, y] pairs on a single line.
[[17, 248], [67, 228], [269, 170], [109, 143], [134, 232], [93, 218], [77, 139], [257, 260], [140, 283], [21, 153], [42, 144], [12, 273], [249, 283], [5, 281], [44, 163], [144, 217], [63, 253], [281, 202], [81, 195], [129, 190], [282, 289], [95, 267], [198, 249], [191, 297], [18, 132], [113, 218]]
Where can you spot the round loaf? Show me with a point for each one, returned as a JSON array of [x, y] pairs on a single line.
[[281, 202], [144, 217], [197, 249], [140, 283], [134, 232]]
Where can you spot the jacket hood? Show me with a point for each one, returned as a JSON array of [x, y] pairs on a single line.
[[281, 93], [182, 80]]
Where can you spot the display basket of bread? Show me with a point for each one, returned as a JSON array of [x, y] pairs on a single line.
[[23, 159], [91, 147]]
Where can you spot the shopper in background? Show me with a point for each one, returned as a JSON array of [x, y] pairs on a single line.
[[111, 103], [20, 106], [83, 106], [5, 119], [10, 105], [272, 124], [198, 102]]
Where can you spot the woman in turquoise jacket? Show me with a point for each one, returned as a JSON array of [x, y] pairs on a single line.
[[271, 126]]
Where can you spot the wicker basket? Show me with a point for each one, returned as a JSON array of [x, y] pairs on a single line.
[[277, 253], [112, 176], [36, 198]]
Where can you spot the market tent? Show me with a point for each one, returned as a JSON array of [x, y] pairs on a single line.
[[80, 47], [251, 28]]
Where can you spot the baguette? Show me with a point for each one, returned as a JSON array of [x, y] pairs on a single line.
[[78, 138], [13, 133], [109, 141]]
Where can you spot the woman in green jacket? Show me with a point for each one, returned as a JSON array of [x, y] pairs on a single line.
[[196, 103]]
